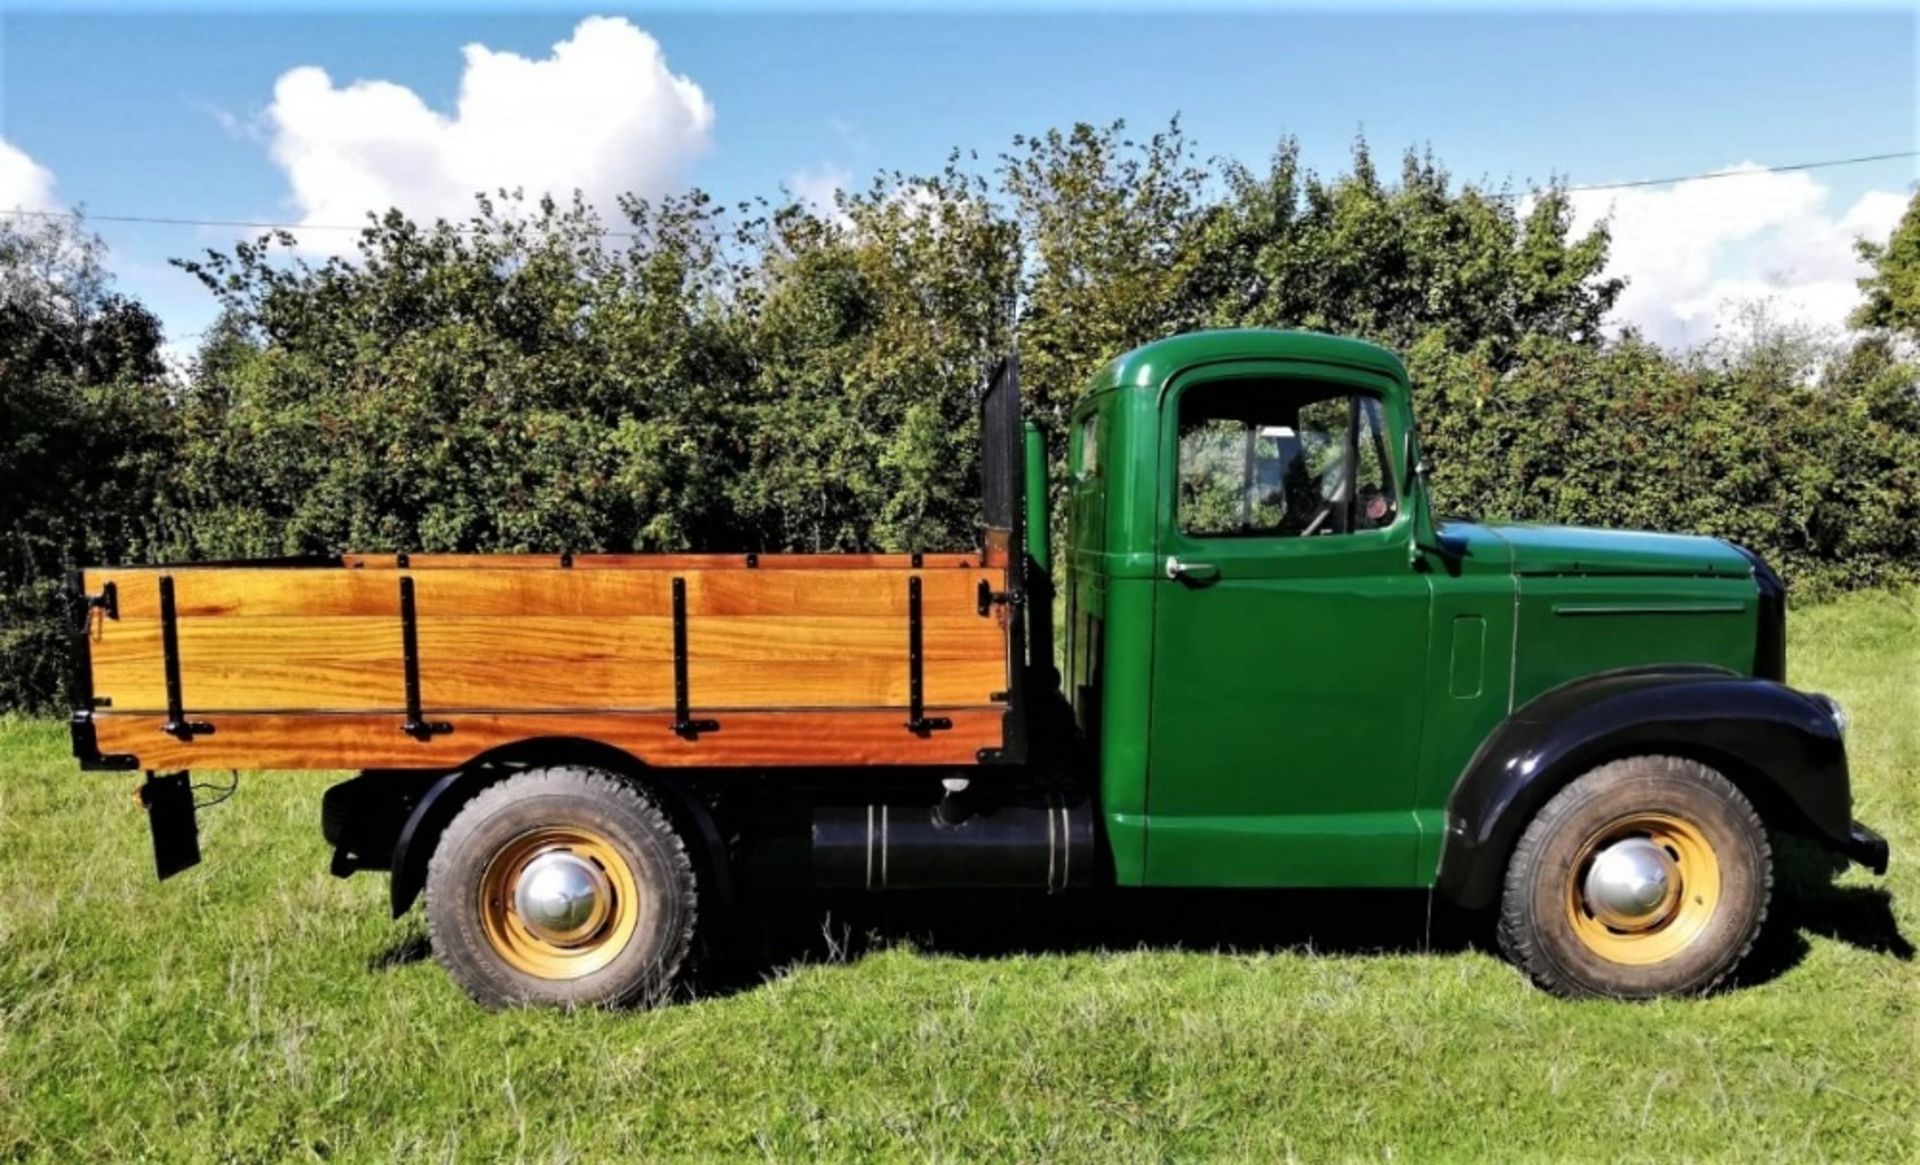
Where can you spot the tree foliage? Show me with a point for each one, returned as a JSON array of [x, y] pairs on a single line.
[[788, 375], [1893, 287], [87, 436]]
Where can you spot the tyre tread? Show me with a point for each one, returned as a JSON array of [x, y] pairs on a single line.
[[1516, 930], [575, 780]]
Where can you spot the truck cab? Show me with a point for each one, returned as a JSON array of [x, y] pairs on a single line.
[[1289, 671]]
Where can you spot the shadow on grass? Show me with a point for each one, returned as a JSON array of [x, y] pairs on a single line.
[[409, 947], [772, 931], [773, 935], [1807, 902], [791, 930]]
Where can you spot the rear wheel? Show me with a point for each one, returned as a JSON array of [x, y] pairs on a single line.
[[565, 886], [1646, 876]]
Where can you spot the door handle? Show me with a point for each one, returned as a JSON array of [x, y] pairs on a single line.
[[1191, 571]]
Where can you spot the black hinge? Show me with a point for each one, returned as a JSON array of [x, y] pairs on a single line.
[[683, 721], [986, 598], [177, 723], [918, 721], [80, 607], [416, 726]]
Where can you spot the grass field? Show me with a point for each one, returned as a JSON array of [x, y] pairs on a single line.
[[256, 1008]]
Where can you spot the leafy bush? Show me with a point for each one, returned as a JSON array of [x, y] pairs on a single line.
[[796, 376]]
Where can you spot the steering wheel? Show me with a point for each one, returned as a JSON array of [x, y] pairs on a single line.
[[1333, 491]]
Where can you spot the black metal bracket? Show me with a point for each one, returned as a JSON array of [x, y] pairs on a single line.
[[417, 726], [986, 598], [177, 723], [683, 722], [107, 600], [80, 698], [80, 605], [86, 747], [918, 722]]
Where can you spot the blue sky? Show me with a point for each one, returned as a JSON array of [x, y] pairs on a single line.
[[132, 111]]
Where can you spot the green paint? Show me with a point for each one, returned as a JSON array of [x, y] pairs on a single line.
[[1039, 539], [1295, 710]]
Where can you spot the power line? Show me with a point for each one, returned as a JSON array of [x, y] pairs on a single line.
[[1745, 173], [249, 224]]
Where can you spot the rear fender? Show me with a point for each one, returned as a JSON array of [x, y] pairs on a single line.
[[437, 808], [1780, 746]]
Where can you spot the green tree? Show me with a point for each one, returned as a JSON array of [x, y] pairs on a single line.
[[1893, 288], [1397, 263], [873, 323], [1107, 236], [86, 438], [516, 382]]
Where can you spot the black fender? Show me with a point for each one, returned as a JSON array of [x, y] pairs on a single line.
[[1780, 746], [437, 806]]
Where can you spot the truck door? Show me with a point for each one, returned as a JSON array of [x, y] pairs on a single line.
[[1290, 637]]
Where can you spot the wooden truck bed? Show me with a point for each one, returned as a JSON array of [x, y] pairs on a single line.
[[425, 662]]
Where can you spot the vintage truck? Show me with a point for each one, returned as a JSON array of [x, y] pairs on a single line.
[[1281, 669]]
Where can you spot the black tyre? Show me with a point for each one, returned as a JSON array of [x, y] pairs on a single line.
[[562, 886], [1646, 876]]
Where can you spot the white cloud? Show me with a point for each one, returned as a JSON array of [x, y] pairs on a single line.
[[818, 187], [1695, 252], [602, 114], [24, 183]]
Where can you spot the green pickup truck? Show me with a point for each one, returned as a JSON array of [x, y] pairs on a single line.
[[1280, 669]]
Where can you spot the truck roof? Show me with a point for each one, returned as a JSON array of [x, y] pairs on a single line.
[[1149, 365]]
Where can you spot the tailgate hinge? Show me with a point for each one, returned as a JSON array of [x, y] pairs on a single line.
[[986, 598]]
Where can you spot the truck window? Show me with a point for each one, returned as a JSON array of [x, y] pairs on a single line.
[[1086, 450], [1266, 460]]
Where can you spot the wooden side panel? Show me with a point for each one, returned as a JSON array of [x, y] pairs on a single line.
[[674, 562], [273, 662], [866, 736], [515, 639]]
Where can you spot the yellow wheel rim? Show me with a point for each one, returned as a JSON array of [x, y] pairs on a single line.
[[1675, 907], [581, 935]]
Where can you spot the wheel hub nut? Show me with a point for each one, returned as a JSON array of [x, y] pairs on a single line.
[[1631, 884], [561, 897]]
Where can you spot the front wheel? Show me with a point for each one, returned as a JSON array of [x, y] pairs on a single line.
[[1646, 876], [563, 886]]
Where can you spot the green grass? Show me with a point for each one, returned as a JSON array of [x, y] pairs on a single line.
[[256, 1008]]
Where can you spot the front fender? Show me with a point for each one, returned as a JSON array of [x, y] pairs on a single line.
[[1780, 746]]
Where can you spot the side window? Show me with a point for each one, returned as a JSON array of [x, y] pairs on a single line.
[[1086, 452], [1279, 460]]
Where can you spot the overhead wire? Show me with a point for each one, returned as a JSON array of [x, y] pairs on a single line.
[[254, 224]]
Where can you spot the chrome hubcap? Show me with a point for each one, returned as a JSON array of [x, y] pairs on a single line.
[[1632, 884], [562, 897]]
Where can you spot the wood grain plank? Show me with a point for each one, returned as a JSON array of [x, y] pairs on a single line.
[[494, 662], [251, 592], [682, 562], [232, 663], [853, 737]]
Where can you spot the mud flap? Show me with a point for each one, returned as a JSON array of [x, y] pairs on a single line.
[[176, 838]]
